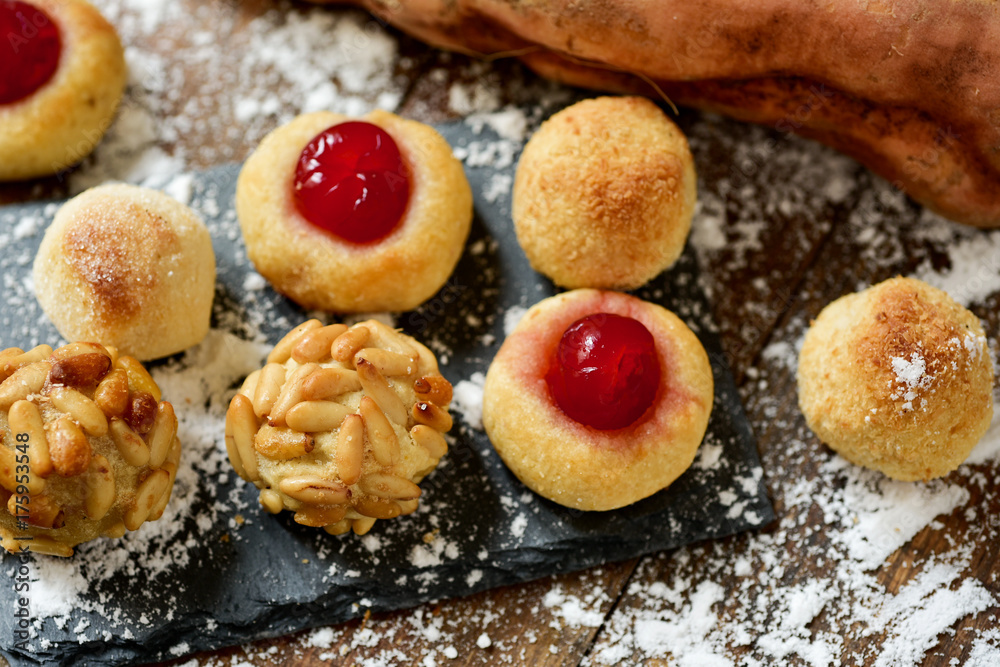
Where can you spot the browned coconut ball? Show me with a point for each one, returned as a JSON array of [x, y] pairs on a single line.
[[897, 378], [341, 425], [98, 446], [604, 193]]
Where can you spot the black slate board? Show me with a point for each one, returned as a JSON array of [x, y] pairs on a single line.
[[230, 581]]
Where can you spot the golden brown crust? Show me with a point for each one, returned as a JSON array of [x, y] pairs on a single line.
[[575, 465], [59, 124], [318, 271], [897, 378], [607, 173], [129, 267]]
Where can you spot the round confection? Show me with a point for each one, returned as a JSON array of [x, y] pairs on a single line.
[[130, 267], [320, 271], [897, 378], [580, 466], [100, 447], [340, 425], [604, 193], [59, 123]]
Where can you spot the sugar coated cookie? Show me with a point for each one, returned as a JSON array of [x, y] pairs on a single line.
[[130, 267]]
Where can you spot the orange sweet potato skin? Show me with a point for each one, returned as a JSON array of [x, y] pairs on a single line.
[[911, 88]]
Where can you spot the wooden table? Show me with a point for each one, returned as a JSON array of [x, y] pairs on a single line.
[[785, 227]]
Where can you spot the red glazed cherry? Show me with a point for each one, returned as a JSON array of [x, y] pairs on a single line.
[[30, 47], [351, 182], [605, 372]]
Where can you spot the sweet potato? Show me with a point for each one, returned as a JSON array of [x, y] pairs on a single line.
[[911, 88]]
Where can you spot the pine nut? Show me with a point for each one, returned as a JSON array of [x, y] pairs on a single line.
[[161, 436], [75, 349], [170, 465], [317, 517], [7, 363], [315, 344], [387, 362], [283, 350], [348, 343], [249, 386], [140, 412], [24, 417], [231, 450], [388, 486], [430, 439], [146, 495], [433, 388], [270, 500], [316, 416], [43, 511], [69, 448], [100, 488], [408, 506], [377, 387], [81, 370], [12, 361], [376, 508], [129, 443], [291, 394], [281, 444], [111, 395], [381, 436], [8, 476], [363, 525], [431, 415], [83, 410], [267, 389], [329, 383], [314, 490], [350, 449], [244, 426], [44, 545], [390, 339], [23, 382], [338, 528], [139, 379]]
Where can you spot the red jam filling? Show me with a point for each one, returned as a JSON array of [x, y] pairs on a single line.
[[30, 47], [352, 183], [605, 372]]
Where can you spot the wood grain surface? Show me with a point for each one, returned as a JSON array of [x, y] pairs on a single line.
[[766, 281]]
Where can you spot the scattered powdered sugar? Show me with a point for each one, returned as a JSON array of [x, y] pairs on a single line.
[[288, 61], [695, 612], [467, 399], [912, 375]]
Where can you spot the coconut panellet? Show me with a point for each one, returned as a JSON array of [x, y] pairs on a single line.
[[89, 448], [340, 425], [897, 378], [604, 194]]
